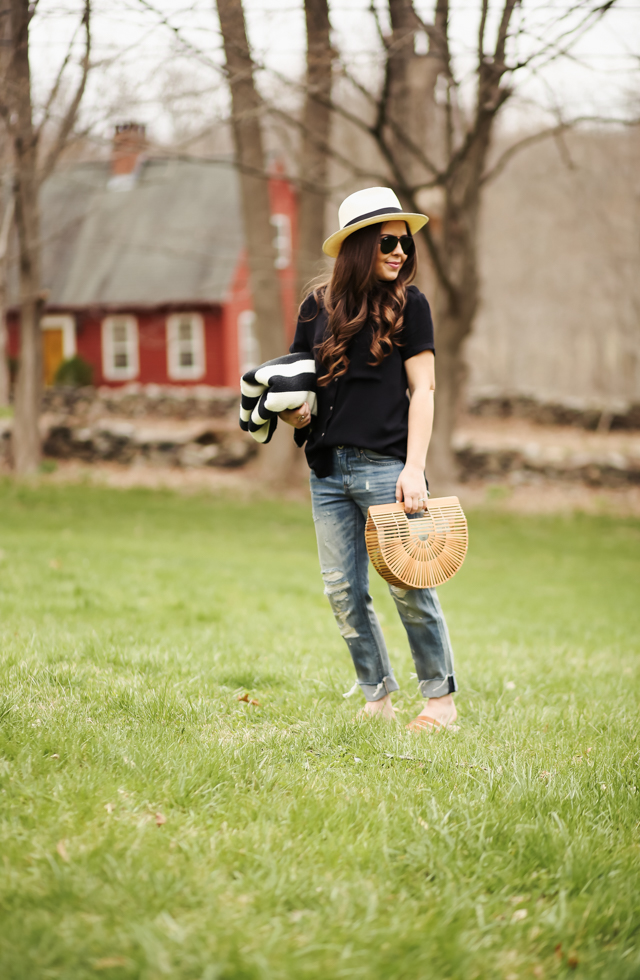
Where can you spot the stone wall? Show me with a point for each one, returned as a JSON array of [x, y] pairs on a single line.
[[580, 413], [135, 401], [196, 427], [531, 464], [136, 424]]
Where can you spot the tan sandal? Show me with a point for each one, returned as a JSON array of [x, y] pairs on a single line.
[[423, 723]]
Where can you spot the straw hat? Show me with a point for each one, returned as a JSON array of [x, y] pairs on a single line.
[[369, 207]]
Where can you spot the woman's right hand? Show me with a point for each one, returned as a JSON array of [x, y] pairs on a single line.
[[297, 417]]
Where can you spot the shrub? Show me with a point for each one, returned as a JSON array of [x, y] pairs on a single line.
[[75, 372]]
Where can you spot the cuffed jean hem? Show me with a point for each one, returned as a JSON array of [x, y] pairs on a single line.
[[438, 687], [375, 692]]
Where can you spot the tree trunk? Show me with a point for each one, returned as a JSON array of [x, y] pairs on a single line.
[[26, 436], [5, 231], [316, 135], [458, 299], [451, 371], [6, 222], [5, 381], [246, 107]]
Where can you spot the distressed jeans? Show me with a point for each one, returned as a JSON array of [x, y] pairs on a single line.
[[340, 503]]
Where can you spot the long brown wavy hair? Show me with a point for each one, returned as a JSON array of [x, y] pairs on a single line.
[[354, 296]]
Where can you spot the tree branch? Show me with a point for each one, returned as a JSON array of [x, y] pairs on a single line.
[[53, 94], [384, 40], [503, 33], [481, 30], [551, 47], [380, 106], [516, 148], [71, 114], [553, 132], [5, 229], [328, 149]]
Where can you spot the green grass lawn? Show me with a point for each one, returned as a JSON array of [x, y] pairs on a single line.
[[152, 825]]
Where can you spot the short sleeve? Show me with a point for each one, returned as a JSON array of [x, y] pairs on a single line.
[[417, 328], [303, 339]]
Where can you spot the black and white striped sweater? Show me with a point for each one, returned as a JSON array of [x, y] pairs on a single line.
[[285, 382]]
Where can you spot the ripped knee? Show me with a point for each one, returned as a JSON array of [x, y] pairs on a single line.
[[397, 592], [407, 609], [336, 589]]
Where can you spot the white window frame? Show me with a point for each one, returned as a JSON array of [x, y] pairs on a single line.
[[67, 324], [282, 240], [248, 343], [176, 370], [109, 369]]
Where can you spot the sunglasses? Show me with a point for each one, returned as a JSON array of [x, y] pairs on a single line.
[[389, 242]]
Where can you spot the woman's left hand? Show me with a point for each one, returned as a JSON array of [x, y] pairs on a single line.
[[297, 417], [411, 489]]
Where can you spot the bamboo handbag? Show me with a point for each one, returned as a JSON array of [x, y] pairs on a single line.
[[420, 553]]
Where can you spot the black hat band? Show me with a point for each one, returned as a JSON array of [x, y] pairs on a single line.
[[374, 214]]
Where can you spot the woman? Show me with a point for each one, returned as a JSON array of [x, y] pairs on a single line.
[[371, 334]]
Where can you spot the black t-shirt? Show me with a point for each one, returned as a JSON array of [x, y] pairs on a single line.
[[368, 406]]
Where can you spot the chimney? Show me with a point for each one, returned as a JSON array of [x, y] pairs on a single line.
[[129, 145]]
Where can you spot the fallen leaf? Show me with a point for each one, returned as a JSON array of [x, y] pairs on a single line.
[[572, 959], [62, 851], [55, 756], [109, 807], [55, 563], [558, 951], [245, 697], [519, 915], [108, 962], [160, 819]]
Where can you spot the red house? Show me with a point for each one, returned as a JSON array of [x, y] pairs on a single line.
[[145, 268]]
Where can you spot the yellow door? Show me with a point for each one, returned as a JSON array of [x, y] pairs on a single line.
[[51, 353]]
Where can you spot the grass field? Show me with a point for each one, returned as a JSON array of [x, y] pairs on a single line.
[[152, 825]]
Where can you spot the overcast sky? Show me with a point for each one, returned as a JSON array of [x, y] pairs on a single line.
[[140, 62]]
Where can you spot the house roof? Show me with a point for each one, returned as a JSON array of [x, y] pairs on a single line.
[[174, 236]]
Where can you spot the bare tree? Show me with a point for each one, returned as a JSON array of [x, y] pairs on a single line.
[[6, 224], [429, 142], [428, 133], [246, 111], [314, 162], [29, 171]]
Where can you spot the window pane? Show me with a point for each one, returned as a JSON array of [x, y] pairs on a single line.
[[184, 330], [186, 358], [120, 359], [119, 333]]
